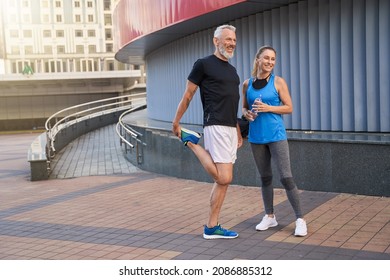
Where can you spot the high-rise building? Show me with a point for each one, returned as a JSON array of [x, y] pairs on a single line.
[[56, 54], [51, 36]]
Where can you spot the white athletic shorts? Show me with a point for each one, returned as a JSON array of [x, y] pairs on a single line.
[[221, 142]]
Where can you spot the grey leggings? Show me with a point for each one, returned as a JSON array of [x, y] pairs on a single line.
[[280, 153]]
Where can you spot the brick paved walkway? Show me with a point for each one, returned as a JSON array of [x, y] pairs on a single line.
[[108, 209]]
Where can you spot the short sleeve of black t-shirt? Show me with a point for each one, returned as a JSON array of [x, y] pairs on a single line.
[[219, 90]]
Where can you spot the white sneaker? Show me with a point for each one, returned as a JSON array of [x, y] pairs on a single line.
[[300, 227], [266, 223]]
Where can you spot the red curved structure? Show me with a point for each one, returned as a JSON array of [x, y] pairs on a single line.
[[137, 18], [143, 25]]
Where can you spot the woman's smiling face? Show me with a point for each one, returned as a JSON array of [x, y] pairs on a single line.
[[266, 61]]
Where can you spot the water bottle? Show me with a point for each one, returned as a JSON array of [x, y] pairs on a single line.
[[253, 111]]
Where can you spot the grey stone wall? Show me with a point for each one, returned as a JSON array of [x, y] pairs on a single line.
[[330, 164]]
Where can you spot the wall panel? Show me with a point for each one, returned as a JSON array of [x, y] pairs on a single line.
[[346, 65], [304, 62], [334, 65], [334, 54], [384, 65]]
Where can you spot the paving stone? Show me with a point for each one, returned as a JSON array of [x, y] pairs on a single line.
[[127, 213]]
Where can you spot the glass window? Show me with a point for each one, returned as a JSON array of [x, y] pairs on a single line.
[[107, 5], [91, 33], [46, 67], [28, 50], [60, 33], [14, 69], [79, 49], [92, 49], [47, 33], [111, 65], [86, 65], [64, 66], [77, 18], [14, 33], [27, 33], [48, 49], [109, 48], [90, 18], [20, 66], [108, 34], [107, 20], [45, 4], [78, 68], [57, 65], [15, 50], [60, 49], [45, 18], [78, 33], [95, 65], [52, 66]]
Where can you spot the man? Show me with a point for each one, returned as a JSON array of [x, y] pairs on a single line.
[[219, 91]]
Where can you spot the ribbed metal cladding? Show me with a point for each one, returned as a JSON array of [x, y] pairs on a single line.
[[334, 55]]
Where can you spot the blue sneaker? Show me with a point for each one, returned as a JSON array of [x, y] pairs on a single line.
[[189, 136], [218, 232]]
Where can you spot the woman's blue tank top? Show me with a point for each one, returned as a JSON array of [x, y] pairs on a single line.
[[267, 127]]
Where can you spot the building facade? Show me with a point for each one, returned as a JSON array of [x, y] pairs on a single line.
[[56, 54], [53, 36]]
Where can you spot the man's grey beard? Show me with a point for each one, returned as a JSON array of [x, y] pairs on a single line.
[[225, 53]]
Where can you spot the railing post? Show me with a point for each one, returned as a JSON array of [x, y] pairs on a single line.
[[139, 153]]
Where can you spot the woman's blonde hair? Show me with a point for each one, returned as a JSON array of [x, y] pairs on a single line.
[[259, 52]]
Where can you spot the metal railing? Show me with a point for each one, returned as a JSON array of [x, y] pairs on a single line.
[[71, 115], [128, 135]]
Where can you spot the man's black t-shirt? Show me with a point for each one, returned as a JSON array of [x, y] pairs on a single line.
[[219, 90]]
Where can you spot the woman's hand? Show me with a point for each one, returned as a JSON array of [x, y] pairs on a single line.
[[261, 107], [249, 115]]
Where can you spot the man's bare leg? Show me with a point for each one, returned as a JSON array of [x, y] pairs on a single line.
[[222, 174], [218, 193], [204, 159]]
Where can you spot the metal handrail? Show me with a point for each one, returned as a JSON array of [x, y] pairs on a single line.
[[121, 126], [133, 101], [133, 133], [132, 96]]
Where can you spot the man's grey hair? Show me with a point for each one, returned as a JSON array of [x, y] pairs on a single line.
[[218, 31]]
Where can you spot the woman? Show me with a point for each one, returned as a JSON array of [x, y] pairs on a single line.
[[265, 98]]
